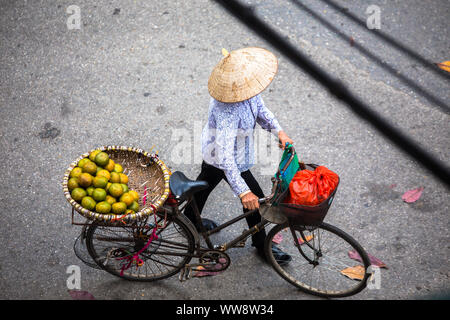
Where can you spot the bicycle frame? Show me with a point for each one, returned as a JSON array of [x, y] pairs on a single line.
[[206, 234], [246, 234]]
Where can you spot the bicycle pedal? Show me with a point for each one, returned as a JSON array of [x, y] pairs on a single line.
[[241, 244], [185, 273], [181, 275]]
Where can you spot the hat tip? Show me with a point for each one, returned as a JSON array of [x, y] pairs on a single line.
[[225, 52]]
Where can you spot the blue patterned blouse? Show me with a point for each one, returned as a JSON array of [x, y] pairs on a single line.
[[227, 138]]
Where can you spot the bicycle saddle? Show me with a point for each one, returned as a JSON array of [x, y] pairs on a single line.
[[182, 187]]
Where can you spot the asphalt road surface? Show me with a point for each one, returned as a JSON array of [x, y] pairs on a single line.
[[135, 73]]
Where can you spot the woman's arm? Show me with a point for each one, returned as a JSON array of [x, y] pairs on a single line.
[[266, 119]]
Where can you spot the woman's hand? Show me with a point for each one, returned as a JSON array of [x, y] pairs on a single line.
[[283, 138], [250, 201]]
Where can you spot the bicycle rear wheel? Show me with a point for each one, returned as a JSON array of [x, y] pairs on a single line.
[[112, 247], [319, 264]]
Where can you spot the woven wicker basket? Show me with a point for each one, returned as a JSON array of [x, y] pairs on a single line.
[[146, 173]]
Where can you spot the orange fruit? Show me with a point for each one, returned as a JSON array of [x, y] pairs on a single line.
[[123, 178], [115, 190], [127, 198], [85, 180], [100, 182], [104, 173], [78, 194], [134, 206], [90, 190], [125, 187], [76, 172], [90, 167], [102, 159], [110, 199], [103, 207], [93, 154], [118, 168], [110, 165], [99, 194], [72, 183], [115, 177], [88, 203], [119, 207], [134, 194], [82, 162]]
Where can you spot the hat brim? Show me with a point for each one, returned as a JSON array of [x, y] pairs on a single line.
[[242, 74]]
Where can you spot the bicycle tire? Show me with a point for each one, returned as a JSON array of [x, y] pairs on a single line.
[[286, 271], [133, 273]]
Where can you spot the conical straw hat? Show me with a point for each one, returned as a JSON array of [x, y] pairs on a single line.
[[242, 74]]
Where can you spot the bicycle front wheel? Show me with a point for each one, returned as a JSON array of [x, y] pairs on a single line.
[[113, 248], [321, 259]]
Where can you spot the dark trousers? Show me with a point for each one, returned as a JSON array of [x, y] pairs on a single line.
[[213, 176]]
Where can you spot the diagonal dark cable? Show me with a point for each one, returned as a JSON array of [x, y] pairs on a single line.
[[246, 16], [418, 89], [393, 42]]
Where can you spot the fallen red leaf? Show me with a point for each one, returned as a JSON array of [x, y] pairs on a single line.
[[373, 260], [81, 295], [201, 272], [412, 195], [278, 238]]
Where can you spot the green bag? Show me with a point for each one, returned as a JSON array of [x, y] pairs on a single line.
[[291, 170], [287, 175]]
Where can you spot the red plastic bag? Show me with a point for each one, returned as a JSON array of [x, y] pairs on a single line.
[[312, 187]]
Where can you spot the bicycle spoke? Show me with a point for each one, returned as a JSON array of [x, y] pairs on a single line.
[[328, 253], [164, 256], [337, 263]]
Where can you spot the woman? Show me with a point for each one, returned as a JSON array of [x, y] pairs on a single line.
[[236, 106]]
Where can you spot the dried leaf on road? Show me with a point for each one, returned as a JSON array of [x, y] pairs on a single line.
[[278, 238], [202, 272], [412, 195], [373, 260], [355, 273], [81, 295], [444, 65], [308, 239]]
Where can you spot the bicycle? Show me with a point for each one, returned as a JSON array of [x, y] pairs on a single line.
[[159, 247]]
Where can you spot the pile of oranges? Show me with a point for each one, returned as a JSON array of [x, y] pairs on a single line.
[[100, 185]]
